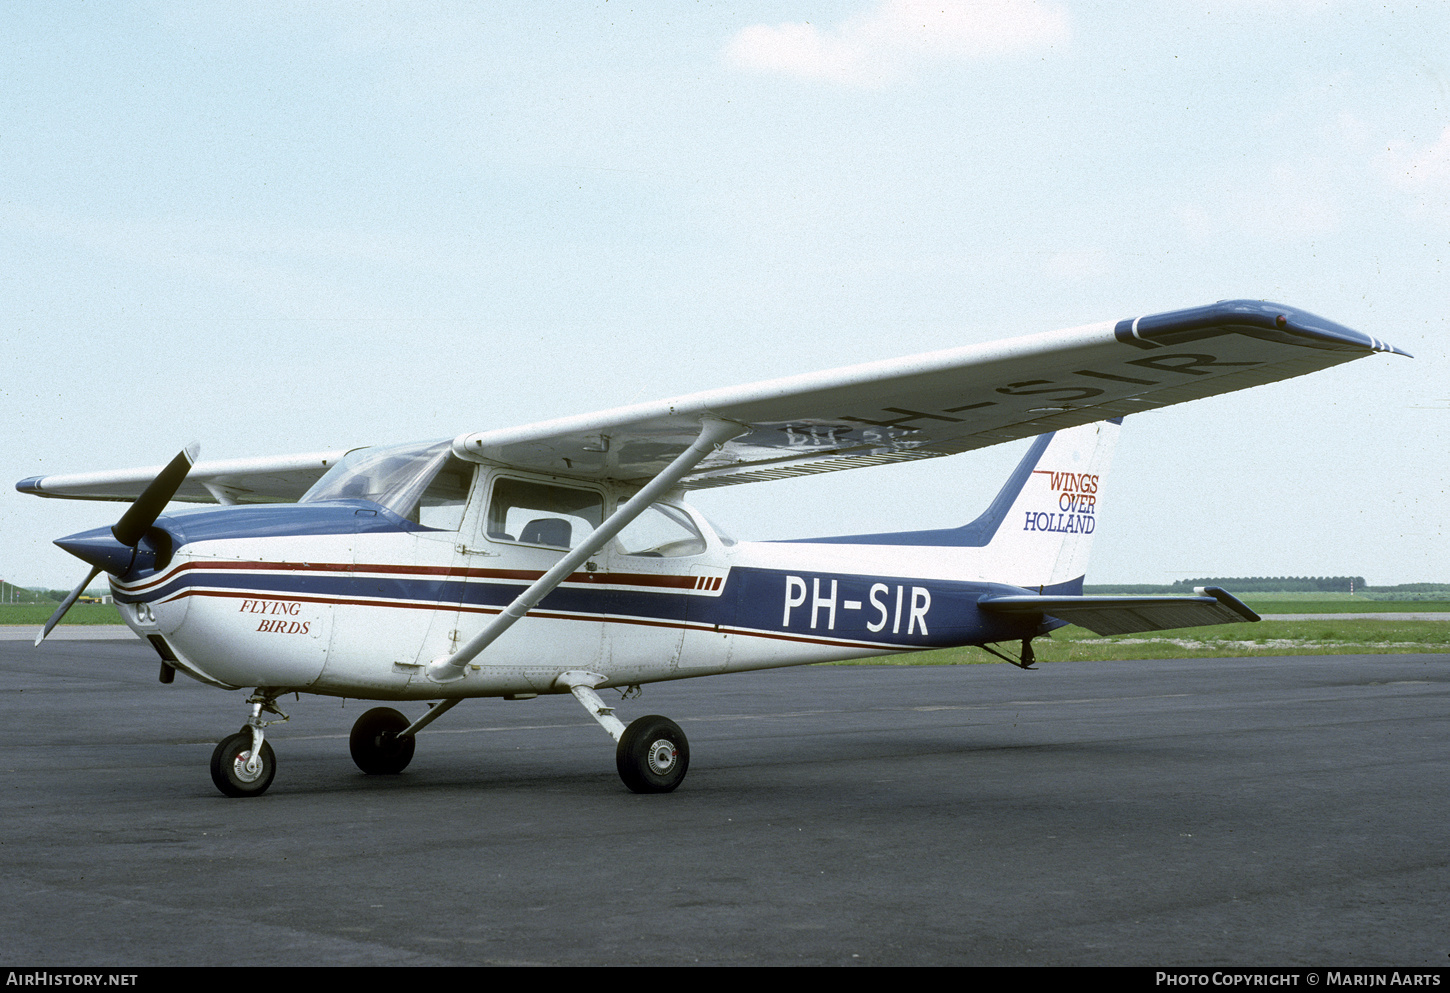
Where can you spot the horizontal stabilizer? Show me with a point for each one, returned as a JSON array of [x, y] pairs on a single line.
[[1129, 614]]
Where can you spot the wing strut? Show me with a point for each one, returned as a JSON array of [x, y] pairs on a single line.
[[714, 432]]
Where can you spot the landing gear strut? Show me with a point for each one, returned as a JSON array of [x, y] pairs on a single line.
[[652, 754], [243, 764]]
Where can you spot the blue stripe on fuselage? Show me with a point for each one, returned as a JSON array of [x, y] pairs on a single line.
[[889, 610], [807, 606]]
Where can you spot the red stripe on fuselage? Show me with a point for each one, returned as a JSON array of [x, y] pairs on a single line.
[[445, 572], [551, 615]]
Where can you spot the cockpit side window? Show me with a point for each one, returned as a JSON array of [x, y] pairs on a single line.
[[442, 504], [533, 513], [661, 531]]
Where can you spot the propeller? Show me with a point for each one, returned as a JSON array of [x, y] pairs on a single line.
[[66, 605], [128, 531]]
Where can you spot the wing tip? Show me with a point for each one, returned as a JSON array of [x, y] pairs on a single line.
[[1229, 601], [1171, 327]]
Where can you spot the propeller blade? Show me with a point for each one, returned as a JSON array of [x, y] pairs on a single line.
[[66, 605], [153, 500]]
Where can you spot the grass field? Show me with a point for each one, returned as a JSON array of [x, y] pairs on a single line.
[[1336, 597], [39, 613], [1282, 604], [1329, 636]]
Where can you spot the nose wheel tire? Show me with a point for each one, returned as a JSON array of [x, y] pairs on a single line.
[[653, 755], [375, 745], [234, 772]]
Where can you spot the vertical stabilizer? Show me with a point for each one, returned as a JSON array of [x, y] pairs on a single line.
[[1044, 536], [1038, 531]]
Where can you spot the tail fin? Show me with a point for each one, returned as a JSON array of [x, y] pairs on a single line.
[[1038, 531], [1049, 511]]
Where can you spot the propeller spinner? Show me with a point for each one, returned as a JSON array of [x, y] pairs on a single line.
[[115, 553]]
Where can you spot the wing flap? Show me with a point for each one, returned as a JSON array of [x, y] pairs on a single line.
[[1108, 615]]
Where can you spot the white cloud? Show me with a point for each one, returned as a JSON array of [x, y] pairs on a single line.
[[873, 48]]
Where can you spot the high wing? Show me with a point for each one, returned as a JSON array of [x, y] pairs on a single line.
[[917, 407], [939, 403], [275, 479]]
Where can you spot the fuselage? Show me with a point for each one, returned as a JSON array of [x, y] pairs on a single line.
[[344, 597]]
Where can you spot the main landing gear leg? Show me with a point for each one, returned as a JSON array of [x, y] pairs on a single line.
[[243, 764], [651, 754]]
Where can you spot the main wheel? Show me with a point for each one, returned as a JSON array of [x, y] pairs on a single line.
[[375, 745], [652, 755], [229, 766]]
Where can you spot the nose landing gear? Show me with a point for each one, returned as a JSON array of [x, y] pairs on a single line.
[[243, 764], [239, 768]]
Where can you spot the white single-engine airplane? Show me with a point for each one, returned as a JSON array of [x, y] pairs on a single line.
[[393, 573]]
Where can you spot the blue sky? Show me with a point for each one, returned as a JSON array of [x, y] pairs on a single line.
[[281, 227]]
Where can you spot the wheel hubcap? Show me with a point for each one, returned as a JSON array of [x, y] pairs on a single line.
[[245, 769], [662, 756]]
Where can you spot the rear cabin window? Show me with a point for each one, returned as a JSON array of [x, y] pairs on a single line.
[[542, 514]]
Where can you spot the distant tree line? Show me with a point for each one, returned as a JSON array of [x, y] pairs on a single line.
[[1281, 584], [10, 593], [1276, 584]]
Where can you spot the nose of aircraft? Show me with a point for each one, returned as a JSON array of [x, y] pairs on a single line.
[[99, 547], [122, 548]]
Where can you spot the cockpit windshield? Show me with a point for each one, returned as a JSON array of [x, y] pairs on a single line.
[[424, 483]]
